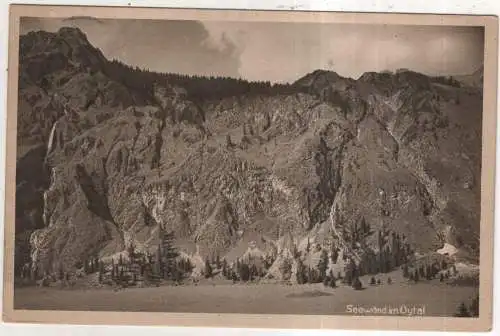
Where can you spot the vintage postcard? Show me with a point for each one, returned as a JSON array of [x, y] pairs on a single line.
[[250, 168]]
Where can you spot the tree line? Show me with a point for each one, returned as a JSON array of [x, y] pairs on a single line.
[[199, 88]]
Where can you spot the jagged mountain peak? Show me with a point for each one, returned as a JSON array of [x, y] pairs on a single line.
[[43, 42], [44, 53]]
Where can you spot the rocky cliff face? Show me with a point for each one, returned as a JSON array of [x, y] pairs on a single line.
[[101, 164]]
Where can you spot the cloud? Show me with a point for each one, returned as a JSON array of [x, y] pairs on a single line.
[[279, 52], [287, 51]]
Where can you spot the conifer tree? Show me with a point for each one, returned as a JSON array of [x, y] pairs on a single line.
[[334, 254], [474, 307], [462, 311], [113, 274], [286, 269], [96, 262], [244, 272], [295, 253], [169, 254], [421, 272], [323, 265], [86, 266], [333, 281], [208, 269], [326, 281], [301, 276], [309, 275], [350, 272], [158, 266], [229, 142], [101, 270], [253, 272], [381, 259], [224, 268], [61, 272], [131, 251], [217, 262]]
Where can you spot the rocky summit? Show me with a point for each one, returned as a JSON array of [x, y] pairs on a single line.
[[109, 155]]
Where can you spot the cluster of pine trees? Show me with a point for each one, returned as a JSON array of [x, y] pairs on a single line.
[[313, 274], [393, 249], [319, 273], [246, 270], [429, 271], [199, 88], [249, 269], [90, 265], [165, 264]]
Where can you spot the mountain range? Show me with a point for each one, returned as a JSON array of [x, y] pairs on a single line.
[[108, 155]]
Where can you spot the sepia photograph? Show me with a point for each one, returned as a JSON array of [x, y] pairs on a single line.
[[246, 163]]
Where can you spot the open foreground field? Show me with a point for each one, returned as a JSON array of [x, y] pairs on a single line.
[[438, 299]]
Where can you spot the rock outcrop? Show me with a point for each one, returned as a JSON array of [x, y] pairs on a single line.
[[101, 164]]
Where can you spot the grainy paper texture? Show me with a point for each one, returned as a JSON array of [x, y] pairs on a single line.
[[250, 168]]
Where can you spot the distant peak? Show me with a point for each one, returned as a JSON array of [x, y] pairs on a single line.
[[319, 74], [72, 31]]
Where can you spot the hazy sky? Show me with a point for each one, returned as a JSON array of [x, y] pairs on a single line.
[[280, 52]]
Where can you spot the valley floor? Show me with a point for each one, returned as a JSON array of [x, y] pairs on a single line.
[[439, 299]]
